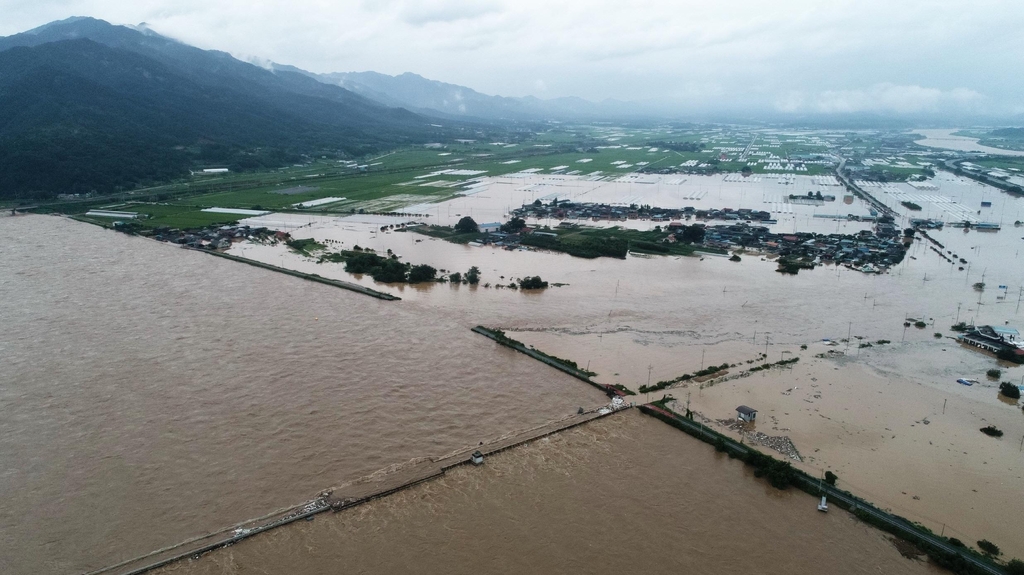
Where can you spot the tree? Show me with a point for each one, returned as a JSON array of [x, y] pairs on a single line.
[[693, 234], [830, 478], [532, 283], [989, 547], [473, 275], [422, 273], [513, 226], [455, 278], [1015, 567], [1009, 390], [390, 271], [467, 226], [992, 431]]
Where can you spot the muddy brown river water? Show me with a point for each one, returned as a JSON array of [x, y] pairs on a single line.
[[625, 494], [150, 394]]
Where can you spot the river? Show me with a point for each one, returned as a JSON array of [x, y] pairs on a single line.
[[947, 141], [151, 393], [625, 494]]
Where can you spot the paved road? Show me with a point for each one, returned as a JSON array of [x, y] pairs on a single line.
[[882, 208]]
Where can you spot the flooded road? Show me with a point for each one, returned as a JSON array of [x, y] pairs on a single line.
[[626, 494], [150, 393]]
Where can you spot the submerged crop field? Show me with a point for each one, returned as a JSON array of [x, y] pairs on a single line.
[[436, 172]]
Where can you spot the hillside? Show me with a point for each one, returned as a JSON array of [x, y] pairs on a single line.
[[1008, 133], [117, 107]]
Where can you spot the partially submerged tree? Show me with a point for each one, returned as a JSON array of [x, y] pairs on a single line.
[[532, 283], [989, 547], [513, 226], [422, 273], [467, 225], [1009, 390]]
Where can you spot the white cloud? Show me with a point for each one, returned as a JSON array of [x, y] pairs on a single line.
[[904, 56], [884, 98]]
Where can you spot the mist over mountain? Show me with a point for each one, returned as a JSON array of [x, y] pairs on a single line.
[[426, 96], [85, 105]]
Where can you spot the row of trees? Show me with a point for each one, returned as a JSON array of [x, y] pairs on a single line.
[[472, 277], [389, 269]]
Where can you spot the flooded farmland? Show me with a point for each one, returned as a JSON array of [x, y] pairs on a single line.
[[136, 371], [648, 318]]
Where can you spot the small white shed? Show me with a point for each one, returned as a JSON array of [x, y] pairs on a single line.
[[744, 413]]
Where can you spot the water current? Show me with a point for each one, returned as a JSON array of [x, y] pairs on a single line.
[[150, 393], [625, 494]]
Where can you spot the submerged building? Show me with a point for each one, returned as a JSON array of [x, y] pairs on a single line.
[[995, 339]]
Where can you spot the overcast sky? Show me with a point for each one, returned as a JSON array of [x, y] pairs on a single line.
[[804, 56]]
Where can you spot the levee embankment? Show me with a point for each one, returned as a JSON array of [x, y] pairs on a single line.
[[957, 559], [311, 277], [500, 338]]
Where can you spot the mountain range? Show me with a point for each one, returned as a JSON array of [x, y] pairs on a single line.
[[435, 98], [86, 105]]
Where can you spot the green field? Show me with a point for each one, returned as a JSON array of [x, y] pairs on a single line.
[[387, 182]]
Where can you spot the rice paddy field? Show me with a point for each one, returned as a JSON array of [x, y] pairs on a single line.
[[423, 175]]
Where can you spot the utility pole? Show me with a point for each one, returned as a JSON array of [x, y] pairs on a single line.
[[944, 406], [702, 351], [957, 313]]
